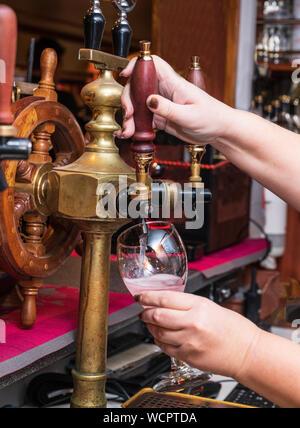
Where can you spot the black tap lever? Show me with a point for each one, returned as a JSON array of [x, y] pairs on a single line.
[[94, 23], [121, 31]]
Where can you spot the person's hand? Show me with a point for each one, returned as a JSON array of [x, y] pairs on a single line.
[[201, 333], [181, 109]]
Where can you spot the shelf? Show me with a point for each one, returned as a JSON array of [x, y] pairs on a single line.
[[278, 21], [277, 67]]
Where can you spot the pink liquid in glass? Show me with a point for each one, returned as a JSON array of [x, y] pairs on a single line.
[[159, 282]]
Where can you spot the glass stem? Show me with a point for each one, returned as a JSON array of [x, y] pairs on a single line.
[[176, 365]]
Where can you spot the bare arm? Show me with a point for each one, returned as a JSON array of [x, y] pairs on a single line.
[[211, 338], [265, 151], [272, 370]]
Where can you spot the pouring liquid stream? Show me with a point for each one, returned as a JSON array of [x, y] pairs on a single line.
[[143, 245]]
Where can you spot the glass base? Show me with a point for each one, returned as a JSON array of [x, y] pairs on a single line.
[[182, 379]]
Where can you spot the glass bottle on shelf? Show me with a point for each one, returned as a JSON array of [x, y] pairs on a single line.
[[276, 111], [296, 9], [258, 106], [268, 112], [285, 118], [270, 9], [295, 113], [277, 9]]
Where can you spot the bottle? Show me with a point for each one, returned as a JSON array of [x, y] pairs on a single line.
[[296, 115], [94, 23], [276, 111], [285, 118], [268, 112], [296, 9], [258, 105]]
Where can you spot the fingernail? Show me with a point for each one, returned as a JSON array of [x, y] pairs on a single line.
[[137, 298], [153, 103]]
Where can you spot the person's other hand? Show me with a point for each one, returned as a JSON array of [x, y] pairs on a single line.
[[181, 109], [201, 333]]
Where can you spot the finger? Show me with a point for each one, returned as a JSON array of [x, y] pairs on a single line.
[[129, 69], [165, 336], [165, 318], [127, 103], [159, 122], [167, 299], [167, 109], [170, 350], [128, 128], [164, 70]]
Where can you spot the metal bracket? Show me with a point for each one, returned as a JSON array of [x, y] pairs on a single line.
[[103, 60]]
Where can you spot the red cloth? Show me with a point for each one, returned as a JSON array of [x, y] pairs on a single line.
[[244, 249], [57, 309]]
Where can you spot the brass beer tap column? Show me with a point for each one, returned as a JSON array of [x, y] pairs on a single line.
[[74, 193], [79, 186], [197, 152]]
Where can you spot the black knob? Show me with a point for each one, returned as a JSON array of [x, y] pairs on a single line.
[[121, 34], [94, 24], [157, 170], [12, 149], [121, 31]]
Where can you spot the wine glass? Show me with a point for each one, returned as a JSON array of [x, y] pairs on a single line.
[[152, 257]]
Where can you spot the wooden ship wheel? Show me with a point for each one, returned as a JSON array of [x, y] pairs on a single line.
[[34, 246]]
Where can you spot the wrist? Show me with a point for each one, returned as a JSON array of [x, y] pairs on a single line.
[[251, 344], [229, 119]]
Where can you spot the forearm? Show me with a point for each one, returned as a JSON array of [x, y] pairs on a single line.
[[268, 153], [272, 369]]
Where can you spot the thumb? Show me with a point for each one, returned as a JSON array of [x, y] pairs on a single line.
[[166, 108]]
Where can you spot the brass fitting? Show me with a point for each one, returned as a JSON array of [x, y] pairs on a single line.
[[75, 186], [197, 153]]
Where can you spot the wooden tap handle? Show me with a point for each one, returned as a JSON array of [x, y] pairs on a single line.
[[8, 43], [48, 64], [144, 82], [195, 74], [48, 68]]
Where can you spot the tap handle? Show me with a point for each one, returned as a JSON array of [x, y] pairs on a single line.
[[121, 31], [94, 23], [48, 64], [195, 74], [8, 25], [144, 83]]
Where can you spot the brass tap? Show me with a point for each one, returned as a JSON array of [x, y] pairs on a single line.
[[197, 152]]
